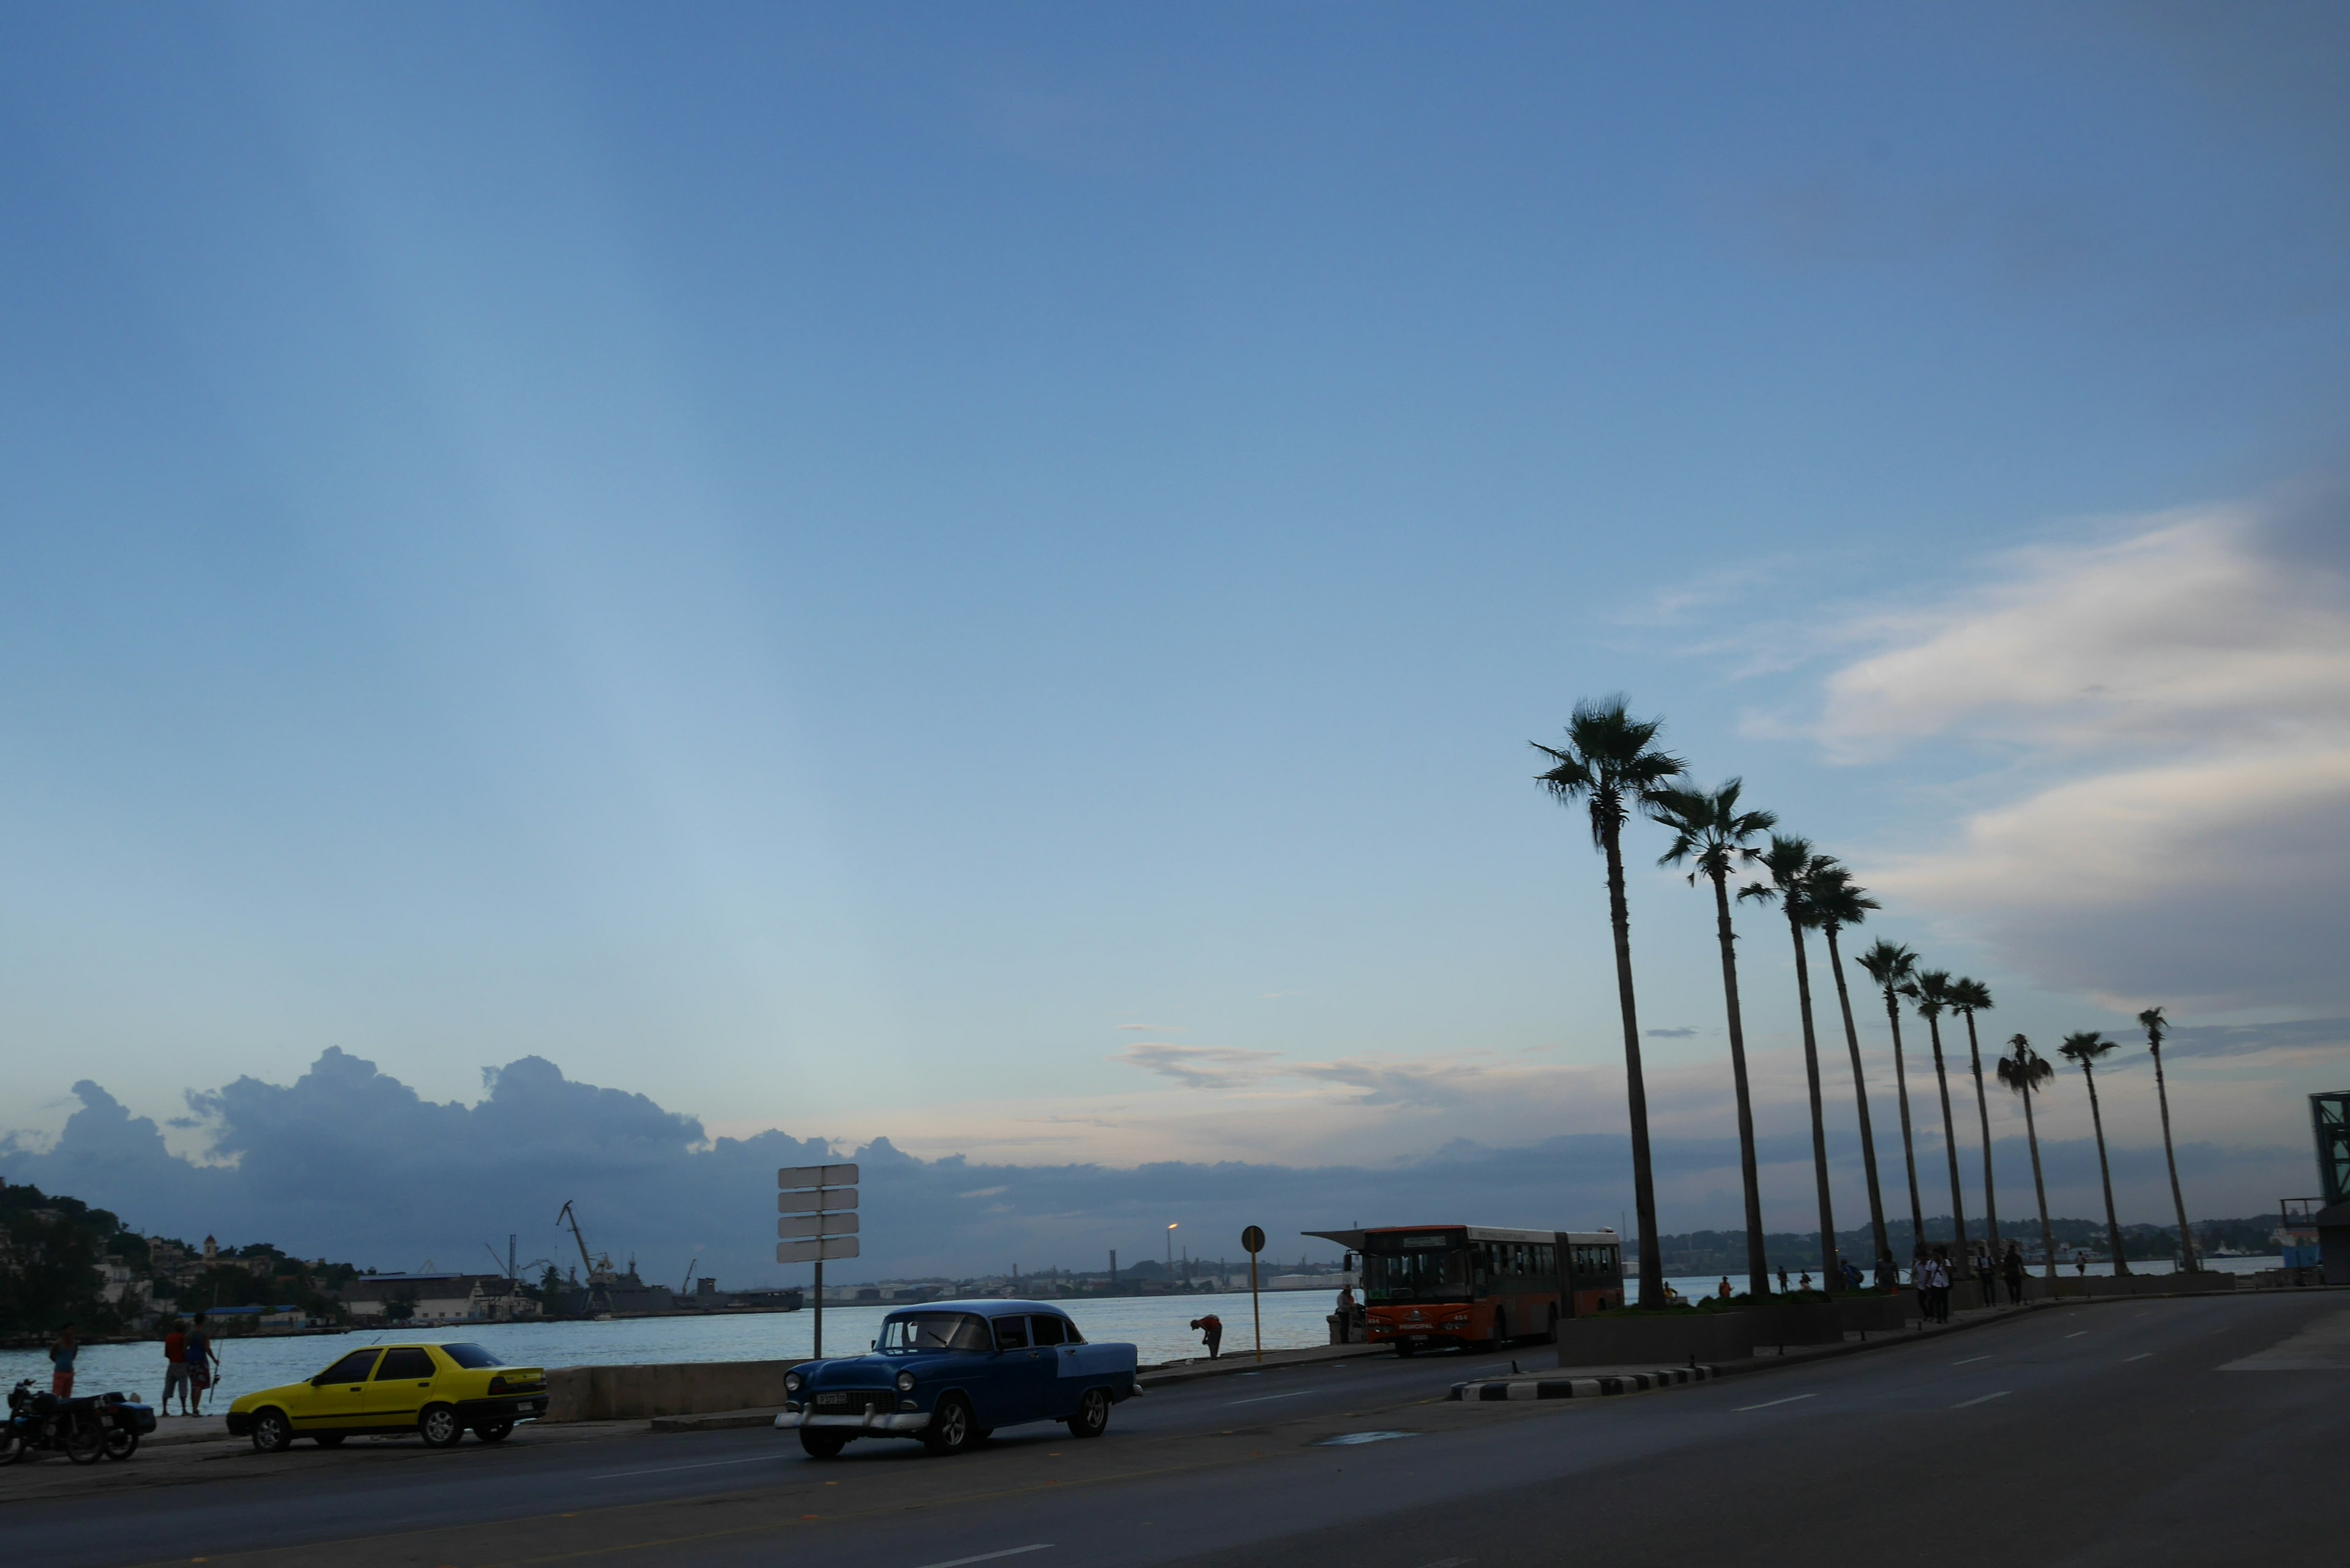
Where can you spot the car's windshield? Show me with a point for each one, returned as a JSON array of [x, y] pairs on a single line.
[[470, 1355], [935, 1330]]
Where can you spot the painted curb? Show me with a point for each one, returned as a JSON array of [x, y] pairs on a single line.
[[1517, 1388]]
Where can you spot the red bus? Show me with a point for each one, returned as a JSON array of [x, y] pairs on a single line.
[[1429, 1285]]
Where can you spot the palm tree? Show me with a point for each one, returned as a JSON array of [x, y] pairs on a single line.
[[1929, 992], [1838, 901], [1969, 997], [2156, 1027], [2027, 1072], [2085, 1048], [1611, 764], [1710, 832], [1792, 865], [1891, 966]]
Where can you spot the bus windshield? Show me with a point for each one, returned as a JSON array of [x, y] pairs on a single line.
[[1423, 1266]]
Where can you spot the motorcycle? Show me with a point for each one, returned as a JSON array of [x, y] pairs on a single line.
[[99, 1426]]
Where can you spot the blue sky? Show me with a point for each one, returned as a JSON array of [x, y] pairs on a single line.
[[843, 570]]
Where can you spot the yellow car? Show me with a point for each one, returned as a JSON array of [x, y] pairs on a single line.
[[436, 1391]]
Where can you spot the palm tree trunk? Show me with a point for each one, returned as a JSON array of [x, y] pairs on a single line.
[[1908, 1142], [1758, 1264], [1636, 1088], [1949, 1135], [2039, 1188], [2177, 1200], [1829, 1281], [1982, 1109], [2113, 1221], [1860, 1096]]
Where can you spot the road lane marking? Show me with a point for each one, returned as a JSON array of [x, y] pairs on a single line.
[[1350, 1440], [664, 1469], [1768, 1403], [1970, 1360], [992, 1556], [2141, 1355], [2076, 1333], [1261, 1398], [1984, 1400]]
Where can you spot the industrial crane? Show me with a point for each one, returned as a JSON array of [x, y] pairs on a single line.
[[599, 1299]]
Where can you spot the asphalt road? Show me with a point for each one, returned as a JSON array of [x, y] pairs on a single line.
[[2089, 1434]]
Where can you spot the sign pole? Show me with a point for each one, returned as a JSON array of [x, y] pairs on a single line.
[[819, 1309], [817, 1205], [1253, 1239]]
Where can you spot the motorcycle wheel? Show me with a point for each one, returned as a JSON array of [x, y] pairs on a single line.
[[121, 1444], [84, 1442], [12, 1445]]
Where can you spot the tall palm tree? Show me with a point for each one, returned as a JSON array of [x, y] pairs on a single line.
[[2085, 1048], [2027, 1072], [1969, 997], [1892, 966], [1791, 866], [2156, 1027], [1716, 837], [1838, 901], [1929, 992], [1610, 763]]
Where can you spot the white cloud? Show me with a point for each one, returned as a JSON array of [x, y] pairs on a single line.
[[2189, 684]]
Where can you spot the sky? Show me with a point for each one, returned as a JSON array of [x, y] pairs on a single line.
[[983, 579]]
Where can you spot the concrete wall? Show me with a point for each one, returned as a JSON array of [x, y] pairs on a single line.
[[1669, 1339], [675, 1389]]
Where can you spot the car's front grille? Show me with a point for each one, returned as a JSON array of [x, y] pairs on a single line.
[[852, 1402]]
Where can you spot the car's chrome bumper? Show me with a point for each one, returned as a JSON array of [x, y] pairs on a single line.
[[896, 1423]]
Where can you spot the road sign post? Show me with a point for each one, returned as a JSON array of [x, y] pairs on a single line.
[[817, 1210], [1253, 1239]]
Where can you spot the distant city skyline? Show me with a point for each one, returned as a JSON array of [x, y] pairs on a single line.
[[984, 580]]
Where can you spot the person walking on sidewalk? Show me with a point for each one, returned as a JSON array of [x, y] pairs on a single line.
[[202, 1360], [175, 1365], [62, 1351]]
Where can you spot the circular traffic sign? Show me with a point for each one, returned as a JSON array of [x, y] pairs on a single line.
[[1253, 1238]]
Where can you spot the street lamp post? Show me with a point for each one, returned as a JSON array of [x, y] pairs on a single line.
[[1171, 1253]]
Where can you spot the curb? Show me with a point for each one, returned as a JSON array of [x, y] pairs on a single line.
[[1517, 1388], [717, 1420], [1168, 1375]]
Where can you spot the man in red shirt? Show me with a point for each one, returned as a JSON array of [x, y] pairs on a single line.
[[175, 1367]]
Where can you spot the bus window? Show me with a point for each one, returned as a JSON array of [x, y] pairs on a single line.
[[1423, 1267]]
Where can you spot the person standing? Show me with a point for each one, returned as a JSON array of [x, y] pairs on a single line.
[[1782, 1282], [1986, 1283], [175, 1365], [62, 1351], [1722, 1292], [2012, 1266], [2081, 1265], [202, 1359]]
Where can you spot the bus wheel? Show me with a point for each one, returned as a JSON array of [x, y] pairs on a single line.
[[1405, 1347]]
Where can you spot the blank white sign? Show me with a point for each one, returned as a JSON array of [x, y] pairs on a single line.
[[816, 1225], [832, 1200], [809, 1251], [817, 1176]]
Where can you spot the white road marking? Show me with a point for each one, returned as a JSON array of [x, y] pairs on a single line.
[[1768, 1403], [1350, 1440], [2076, 1333], [664, 1469], [1263, 1398], [1984, 1400], [2141, 1355], [1970, 1360], [990, 1556]]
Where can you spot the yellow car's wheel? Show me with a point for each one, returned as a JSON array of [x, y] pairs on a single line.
[[272, 1432], [440, 1428]]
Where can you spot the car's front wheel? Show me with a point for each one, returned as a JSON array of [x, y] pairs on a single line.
[[440, 1428], [1092, 1419], [272, 1432], [952, 1427], [495, 1431], [822, 1444]]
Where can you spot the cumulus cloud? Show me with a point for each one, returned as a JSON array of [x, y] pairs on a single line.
[[2177, 696]]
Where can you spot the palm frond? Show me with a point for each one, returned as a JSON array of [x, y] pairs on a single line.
[[2155, 1024], [1889, 964], [1969, 995], [1609, 763], [2025, 1070], [2085, 1046]]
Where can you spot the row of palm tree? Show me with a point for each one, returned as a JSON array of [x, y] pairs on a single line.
[[1611, 766]]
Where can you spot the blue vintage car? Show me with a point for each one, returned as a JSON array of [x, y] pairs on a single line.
[[950, 1373]]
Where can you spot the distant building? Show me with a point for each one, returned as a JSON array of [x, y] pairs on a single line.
[[435, 1298]]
